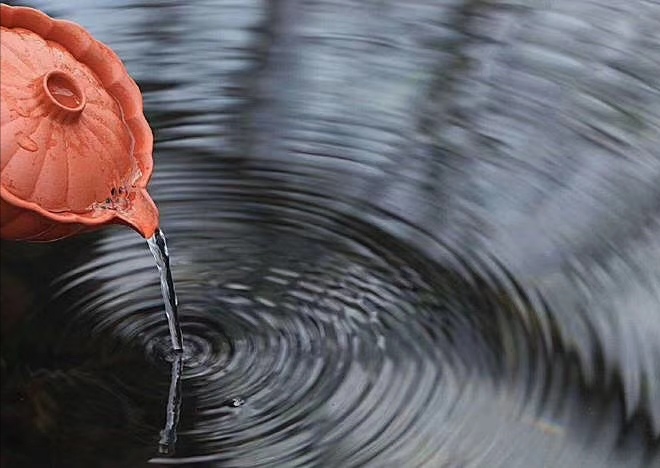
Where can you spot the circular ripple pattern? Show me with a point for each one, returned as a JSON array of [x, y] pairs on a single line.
[[337, 345], [422, 236]]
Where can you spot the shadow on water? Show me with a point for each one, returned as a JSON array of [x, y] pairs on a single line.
[[403, 234]]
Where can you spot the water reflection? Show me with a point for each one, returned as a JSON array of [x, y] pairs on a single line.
[[167, 442], [404, 234]]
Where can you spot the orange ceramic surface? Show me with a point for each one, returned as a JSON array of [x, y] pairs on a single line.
[[76, 147]]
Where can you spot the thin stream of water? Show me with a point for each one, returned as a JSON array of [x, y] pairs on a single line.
[[167, 442], [158, 247]]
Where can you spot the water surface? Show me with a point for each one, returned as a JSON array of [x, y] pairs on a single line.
[[403, 234]]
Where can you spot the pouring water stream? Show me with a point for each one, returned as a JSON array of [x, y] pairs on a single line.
[[158, 247], [167, 442]]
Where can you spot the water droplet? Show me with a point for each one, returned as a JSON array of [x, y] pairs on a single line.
[[237, 402], [25, 142]]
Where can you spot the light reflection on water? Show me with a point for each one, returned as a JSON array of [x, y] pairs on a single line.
[[404, 234]]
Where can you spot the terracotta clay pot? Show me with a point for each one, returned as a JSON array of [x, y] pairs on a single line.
[[76, 147]]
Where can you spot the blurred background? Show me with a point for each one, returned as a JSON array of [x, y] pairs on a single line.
[[419, 233]]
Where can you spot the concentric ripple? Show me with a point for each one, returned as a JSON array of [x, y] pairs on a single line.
[[338, 345], [403, 234]]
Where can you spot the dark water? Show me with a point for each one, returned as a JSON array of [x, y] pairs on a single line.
[[403, 234]]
